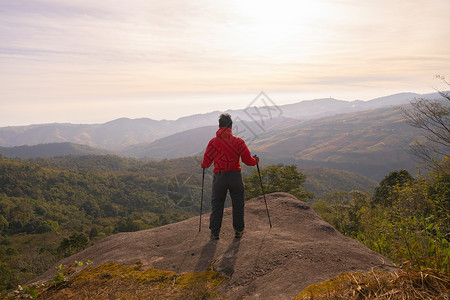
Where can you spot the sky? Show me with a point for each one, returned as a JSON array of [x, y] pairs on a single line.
[[84, 61]]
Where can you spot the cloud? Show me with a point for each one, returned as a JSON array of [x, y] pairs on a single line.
[[48, 8], [56, 50]]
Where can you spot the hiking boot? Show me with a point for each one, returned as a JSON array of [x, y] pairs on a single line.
[[238, 234], [214, 236]]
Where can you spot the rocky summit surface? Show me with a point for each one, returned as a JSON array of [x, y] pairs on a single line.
[[266, 263]]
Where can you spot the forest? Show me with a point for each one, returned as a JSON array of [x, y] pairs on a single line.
[[51, 208]]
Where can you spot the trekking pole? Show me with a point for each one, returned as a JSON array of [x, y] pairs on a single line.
[[264, 195], [201, 202]]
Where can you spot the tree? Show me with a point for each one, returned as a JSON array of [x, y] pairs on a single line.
[[74, 243], [91, 208], [383, 191], [7, 280], [433, 116], [4, 224], [414, 228], [341, 210], [277, 178]]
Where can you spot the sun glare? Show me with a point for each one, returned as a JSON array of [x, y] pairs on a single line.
[[266, 26], [281, 11]]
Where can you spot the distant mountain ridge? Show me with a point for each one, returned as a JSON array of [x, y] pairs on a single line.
[[311, 109], [50, 150], [371, 142], [121, 133], [193, 141]]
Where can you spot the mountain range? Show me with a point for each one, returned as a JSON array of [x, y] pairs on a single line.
[[118, 134], [371, 137]]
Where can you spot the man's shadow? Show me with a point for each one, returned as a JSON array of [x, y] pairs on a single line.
[[229, 258], [206, 256]]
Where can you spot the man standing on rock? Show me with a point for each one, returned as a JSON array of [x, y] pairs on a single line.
[[225, 150]]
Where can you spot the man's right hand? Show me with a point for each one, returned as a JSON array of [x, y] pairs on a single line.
[[256, 157]]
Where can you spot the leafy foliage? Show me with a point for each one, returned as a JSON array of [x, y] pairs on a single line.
[[322, 181], [74, 243], [384, 190], [277, 178], [64, 272], [410, 226], [341, 210], [415, 228]]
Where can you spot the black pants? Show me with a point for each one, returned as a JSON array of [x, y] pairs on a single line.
[[222, 183]]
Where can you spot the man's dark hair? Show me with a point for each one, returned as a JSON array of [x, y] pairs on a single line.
[[225, 121]]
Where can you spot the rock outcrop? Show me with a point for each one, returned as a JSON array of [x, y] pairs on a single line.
[[266, 263]]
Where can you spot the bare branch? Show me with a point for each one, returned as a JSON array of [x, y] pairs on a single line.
[[432, 116]]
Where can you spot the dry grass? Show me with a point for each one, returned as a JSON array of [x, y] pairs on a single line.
[[115, 281], [403, 284]]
